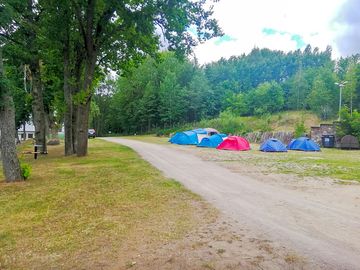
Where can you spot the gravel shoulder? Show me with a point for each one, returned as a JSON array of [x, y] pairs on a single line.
[[319, 220]]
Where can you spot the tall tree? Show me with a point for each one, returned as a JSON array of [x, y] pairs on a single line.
[[321, 99], [350, 87], [114, 32], [21, 31], [10, 161]]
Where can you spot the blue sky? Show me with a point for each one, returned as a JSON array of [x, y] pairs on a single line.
[[276, 24]]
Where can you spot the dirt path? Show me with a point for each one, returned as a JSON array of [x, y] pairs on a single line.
[[325, 232]]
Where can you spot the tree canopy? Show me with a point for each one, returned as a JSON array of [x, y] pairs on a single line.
[[166, 91]]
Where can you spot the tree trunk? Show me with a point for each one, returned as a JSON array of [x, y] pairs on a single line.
[[10, 161], [82, 129], [68, 117], [84, 108], [38, 107], [73, 127]]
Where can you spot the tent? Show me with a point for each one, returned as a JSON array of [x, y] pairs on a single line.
[[186, 137], [273, 145], [200, 131], [212, 141], [349, 142], [303, 144], [211, 131], [234, 143]]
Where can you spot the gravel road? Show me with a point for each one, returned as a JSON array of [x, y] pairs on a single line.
[[325, 232]]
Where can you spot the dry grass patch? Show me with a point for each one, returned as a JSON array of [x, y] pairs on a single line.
[[330, 163], [79, 212]]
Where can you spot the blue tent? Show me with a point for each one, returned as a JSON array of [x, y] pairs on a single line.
[[212, 141], [303, 144], [186, 137], [200, 131], [273, 145]]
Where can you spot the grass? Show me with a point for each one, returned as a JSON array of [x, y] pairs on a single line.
[[149, 139], [79, 212], [330, 162], [285, 121]]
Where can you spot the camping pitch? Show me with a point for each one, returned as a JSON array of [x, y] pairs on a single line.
[[212, 141], [273, 145], [186, 137], [303, 144], [234, 143]]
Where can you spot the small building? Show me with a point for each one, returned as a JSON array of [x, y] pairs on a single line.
[[26, 131], [316, 133]]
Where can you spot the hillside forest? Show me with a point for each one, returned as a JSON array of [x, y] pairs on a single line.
[[167, 92]]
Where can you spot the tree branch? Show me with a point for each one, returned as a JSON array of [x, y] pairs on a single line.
[[11, 39], [99, 26], [79, 17]]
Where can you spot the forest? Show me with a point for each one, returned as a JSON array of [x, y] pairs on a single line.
[[167, 91]]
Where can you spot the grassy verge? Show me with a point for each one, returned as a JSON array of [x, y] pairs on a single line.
[[79, 212]]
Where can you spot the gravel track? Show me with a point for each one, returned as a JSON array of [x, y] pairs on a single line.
[[325, 232]]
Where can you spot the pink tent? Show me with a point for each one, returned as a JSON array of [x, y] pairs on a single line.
[[234, 143]]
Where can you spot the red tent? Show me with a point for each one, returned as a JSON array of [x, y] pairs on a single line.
[[234, 143]]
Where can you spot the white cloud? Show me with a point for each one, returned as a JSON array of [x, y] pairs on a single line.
[[244, 21]]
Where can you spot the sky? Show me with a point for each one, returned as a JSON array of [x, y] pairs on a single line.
[[283, 25]]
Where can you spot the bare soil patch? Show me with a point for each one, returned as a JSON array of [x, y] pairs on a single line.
[[218, 243]]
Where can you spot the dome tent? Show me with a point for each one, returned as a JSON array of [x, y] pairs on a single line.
[[212, 141], [200, 131], [234, 143], [273, 145], [185, 137], [303, 144], [349, 142], [211, 131]]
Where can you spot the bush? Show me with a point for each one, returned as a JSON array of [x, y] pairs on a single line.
[[25, 170], [300, 129], [349, 124]]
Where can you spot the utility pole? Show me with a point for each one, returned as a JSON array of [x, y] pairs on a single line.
[[341, 86]]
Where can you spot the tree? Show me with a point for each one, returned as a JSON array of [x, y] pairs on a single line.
[[299, 89], [349, 124], [321, 100], [10, 161], [236, 104], [349, 93], [21, 30], [114, 32], [266, 98]]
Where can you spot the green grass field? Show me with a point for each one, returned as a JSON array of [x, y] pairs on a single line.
[[80, 212]]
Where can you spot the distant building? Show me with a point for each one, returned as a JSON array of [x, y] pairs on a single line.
[[26, 131]]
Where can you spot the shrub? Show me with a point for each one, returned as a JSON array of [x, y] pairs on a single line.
[[300, 129], [25, 170]]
